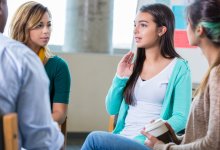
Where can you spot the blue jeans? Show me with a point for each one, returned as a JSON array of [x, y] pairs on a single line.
[[99, 140]]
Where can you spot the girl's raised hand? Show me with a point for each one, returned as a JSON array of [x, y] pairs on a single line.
[[125, 66]]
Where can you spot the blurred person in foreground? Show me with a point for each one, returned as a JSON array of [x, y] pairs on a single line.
[[24, 90]]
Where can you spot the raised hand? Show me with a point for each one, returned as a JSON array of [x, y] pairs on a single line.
[[125, 66]]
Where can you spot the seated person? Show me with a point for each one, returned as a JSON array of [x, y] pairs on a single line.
[[157, 85], [203, 127], [36, 19], [24, 90]]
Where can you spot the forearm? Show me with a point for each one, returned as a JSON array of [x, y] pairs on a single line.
[[115, 95], [59, 117], [204, 143], [59, 112]]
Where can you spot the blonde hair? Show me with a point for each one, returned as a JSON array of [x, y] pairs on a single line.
[[204, 82], [27, 16]]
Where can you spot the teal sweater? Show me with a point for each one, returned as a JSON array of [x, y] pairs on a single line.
[[176, 104]]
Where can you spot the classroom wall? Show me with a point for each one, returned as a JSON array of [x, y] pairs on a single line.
[[91, 78]]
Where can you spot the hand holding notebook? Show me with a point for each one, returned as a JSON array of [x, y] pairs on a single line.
[[162, 130]]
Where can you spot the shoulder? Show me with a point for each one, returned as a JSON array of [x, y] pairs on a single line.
[[215, 75], [58, 61], [14, 47], [16, 53], [213, 85], [19, 60], [56, 65], [182, 65]]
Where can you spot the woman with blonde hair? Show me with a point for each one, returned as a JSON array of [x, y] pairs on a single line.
[[31, 25]]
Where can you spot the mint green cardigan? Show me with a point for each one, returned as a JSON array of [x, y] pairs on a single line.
[[176, 104]]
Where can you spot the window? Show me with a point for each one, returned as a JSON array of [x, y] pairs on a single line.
[[124, 14], [58, 18], [123, 23]]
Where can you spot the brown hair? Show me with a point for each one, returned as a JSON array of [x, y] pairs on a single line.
[[207, 14], [163, 16], [27, 16]]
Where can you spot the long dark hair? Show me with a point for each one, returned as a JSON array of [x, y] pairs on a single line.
[[207, 14], [163, 16]]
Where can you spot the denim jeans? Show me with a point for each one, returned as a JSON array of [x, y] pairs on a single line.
[[99, 140]]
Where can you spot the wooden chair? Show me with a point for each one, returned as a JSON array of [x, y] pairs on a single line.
[[112, 122], [9, 132], [63, 128]]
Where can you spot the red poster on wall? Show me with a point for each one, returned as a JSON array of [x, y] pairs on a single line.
[[181, 40]]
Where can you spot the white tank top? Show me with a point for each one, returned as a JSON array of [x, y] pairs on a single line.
[[149, 96]]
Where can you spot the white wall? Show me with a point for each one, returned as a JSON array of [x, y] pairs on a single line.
[[197, 62], [91, 78]]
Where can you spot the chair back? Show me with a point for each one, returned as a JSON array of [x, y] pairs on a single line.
[[9, 132], [112, 122]]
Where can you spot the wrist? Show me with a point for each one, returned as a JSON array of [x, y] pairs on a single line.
[[121, 76]]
